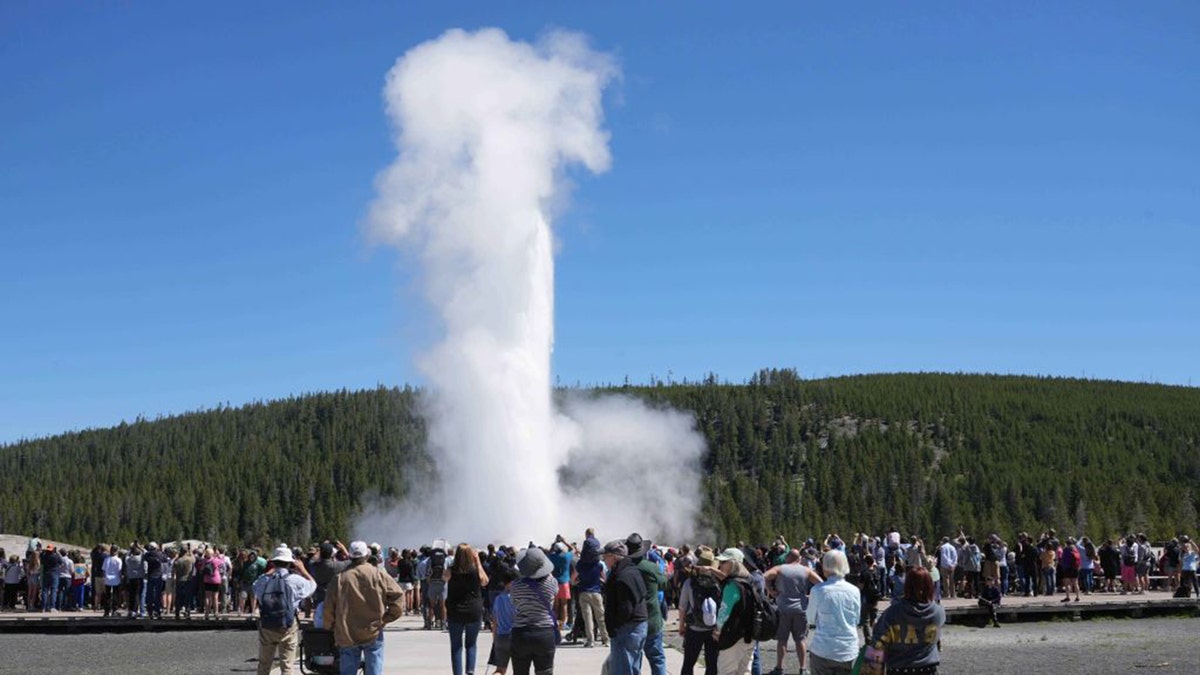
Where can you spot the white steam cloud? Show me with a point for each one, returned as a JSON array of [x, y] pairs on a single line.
[[486, 127]]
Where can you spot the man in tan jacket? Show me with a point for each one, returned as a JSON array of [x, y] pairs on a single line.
[[359, 603]]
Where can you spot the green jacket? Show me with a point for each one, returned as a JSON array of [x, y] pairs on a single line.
[[655, 582]]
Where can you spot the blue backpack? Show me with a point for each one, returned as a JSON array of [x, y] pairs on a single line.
[[277, 610]]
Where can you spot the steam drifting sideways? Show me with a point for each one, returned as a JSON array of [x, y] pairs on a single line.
[[485, 128]]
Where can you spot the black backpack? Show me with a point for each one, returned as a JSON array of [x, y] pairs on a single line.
[[277, 610], [704, 587], [870, 589], [764, 618], [437, 564]]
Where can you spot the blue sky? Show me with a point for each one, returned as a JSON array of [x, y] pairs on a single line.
[[949, 186]]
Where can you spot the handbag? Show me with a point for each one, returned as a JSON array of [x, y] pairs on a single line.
[[869, 662]]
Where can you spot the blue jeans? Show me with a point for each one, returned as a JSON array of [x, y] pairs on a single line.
[[653, 648], [1086, 579], [457, 630], [1048, 578], [625, 650], [49, 594], [154, 593], [371, 654]]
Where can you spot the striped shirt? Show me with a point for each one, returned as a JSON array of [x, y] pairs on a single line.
[[534, 602]]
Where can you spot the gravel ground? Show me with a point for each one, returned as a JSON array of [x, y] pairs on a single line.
[[1159, 645], [198, 653]]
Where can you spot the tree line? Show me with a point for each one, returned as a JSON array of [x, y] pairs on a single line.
[[923, 453]]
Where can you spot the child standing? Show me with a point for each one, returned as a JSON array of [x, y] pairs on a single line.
[[503, 614]]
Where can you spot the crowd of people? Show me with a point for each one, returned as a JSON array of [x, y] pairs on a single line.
[[138, 581], [822, 596]]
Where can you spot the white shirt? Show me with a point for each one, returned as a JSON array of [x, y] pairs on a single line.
[[112, 571]]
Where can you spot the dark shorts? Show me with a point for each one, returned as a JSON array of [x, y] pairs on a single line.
[[791, 624], [212, 588], [501, 652], [1068, 574]]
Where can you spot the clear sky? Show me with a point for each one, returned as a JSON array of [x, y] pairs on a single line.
[[982, 187]]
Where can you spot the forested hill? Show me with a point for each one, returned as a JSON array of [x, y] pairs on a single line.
[[924, 452]]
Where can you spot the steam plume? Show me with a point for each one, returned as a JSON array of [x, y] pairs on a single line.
[[485, 127]]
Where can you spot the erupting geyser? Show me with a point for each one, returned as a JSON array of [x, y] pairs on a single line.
[[485, 127]]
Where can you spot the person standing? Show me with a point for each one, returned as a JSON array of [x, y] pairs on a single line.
[[99, 554], [625, 611], [789, 584], [733, 631], [50, 563], [324, 570], [79, 582], [437, 585], [210, 576], [1145, 562], [359, 603], [185, 588], [503, 616], [279, 592], [465, 581], [699, 598], [833, 609], [907, 634], [947, 562], [561, 557], [158, 566], [168, 596], [1068, 570], [655, 580], [1189, 561], [135, 579], [534, 633], [112, 581], [253, 567], [589, 579]]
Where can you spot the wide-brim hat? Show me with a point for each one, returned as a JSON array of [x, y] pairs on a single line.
[[705, 558], [533, 564], [635, 546], [283, 554]]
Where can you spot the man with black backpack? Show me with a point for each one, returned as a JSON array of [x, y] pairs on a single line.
[[279, 593], [436, 589]]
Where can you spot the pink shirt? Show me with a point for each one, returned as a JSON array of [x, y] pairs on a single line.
[[215, 577]]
